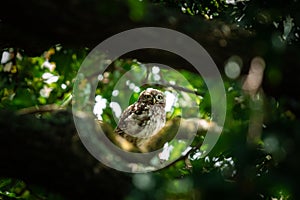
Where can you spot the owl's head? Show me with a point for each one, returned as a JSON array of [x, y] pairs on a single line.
[[152, 96]]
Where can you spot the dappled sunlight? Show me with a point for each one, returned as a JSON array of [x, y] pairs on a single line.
[[110, 97], [220, 122], [49, 78], [116, 109], [255, 75], [233, 67], [252, 86], [45, 91], [144, 181], [100, 105], [171, 99]]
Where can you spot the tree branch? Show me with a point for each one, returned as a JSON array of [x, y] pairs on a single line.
[[39, 109]]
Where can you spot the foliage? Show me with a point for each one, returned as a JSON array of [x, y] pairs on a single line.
[[17, 189], [237, 168], [232, 162], [275, 16], [32, 81], [208, 9]]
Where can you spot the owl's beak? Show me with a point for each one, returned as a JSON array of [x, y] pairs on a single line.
[[154, 100]]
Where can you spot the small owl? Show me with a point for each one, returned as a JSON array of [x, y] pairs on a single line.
[[144, 118]]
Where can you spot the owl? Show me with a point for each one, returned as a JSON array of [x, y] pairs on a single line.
[[144, 118]]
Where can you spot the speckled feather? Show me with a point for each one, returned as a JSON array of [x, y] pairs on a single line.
[[144, 118]]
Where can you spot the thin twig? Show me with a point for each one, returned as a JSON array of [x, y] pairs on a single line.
[[176, 87], [40, 109], [185, 156]]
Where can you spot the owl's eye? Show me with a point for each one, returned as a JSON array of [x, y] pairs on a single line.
[[147, 96], [159, 97]]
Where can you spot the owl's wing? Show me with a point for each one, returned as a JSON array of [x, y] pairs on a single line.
[[121, 124], [132, 119]]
